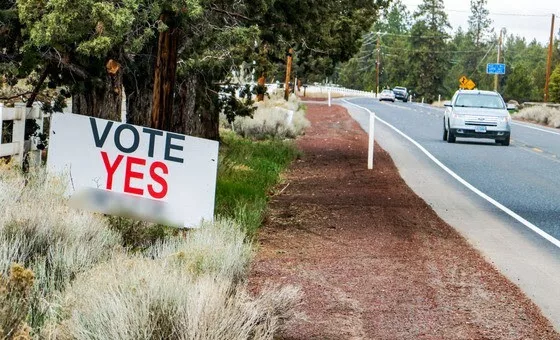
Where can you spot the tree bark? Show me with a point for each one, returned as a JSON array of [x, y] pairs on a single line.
[[101, 101], [139, 93], [261, 83], [164, 76], [196, 109]]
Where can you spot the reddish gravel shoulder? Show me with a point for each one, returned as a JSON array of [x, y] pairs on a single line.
[[373, 260]]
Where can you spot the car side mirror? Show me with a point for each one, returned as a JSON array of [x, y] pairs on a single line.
[[511, 107], [447, 103]]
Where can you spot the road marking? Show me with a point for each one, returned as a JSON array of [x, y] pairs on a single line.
[[469, 186], [538, 150], [536, 128]]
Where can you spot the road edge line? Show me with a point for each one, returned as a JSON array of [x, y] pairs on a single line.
[[469, 186], [535, 128]]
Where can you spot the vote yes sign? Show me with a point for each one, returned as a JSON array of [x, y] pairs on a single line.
[[134, 171]]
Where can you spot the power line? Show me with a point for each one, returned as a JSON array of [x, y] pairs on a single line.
[[430, 51], [501, 13]]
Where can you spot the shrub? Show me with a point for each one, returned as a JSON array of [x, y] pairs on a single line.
[[555, 85], [271, 120], [14, 301], [139, 235], [542, 115], [183, 289], [39, 231]]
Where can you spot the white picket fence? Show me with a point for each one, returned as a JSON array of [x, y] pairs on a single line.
[[323, 90], [18, 145], [345, 92]]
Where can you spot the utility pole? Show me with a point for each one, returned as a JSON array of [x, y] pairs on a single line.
[[377, 65], [288, 71], [549, 60], [498, 61]]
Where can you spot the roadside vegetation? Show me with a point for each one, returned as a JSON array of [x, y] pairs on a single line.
[[540, 114], [420, 50], [67, 274]]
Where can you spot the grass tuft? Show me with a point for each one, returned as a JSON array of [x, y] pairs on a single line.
[[246, 173]]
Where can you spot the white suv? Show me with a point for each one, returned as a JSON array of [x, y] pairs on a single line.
[[477, 114]]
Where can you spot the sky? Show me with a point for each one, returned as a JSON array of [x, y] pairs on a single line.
[[527, 18]]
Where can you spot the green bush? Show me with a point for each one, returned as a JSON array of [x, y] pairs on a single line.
[[554, 85]]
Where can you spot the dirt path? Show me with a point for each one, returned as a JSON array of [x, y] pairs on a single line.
[[373, 259]]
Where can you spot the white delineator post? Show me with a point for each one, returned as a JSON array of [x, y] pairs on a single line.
[[371, 132], [371, 139], [329, 94]]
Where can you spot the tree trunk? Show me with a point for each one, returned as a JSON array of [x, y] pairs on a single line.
[[164, 76], [101, 101], [262, 88], [196, 109], [139, 93]]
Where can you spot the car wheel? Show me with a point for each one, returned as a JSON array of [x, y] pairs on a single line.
[[505, 142], [405, 100], [450, 136], [444, 131]]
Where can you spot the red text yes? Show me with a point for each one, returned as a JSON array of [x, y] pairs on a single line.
[[135, 169]]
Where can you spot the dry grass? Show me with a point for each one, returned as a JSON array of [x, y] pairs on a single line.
[[541, 115], [184, 289], [271, 120], [38, 231], [82, 284], [15, 289]]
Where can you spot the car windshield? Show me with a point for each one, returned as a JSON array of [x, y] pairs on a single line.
[[400, 88], [387, 91], [479, 100]]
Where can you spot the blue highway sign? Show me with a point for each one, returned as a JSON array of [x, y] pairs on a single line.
[[496, 68]]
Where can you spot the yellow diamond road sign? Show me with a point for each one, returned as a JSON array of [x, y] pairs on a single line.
[[466, 83]]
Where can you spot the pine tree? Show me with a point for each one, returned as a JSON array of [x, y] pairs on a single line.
[[429, 60]]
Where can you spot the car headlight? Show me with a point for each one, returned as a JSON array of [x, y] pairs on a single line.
[[504, 119], [456, 115]]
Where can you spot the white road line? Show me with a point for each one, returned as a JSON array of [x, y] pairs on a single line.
[[535, 128], [498, 205]]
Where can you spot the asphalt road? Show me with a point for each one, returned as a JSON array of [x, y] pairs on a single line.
[[524, 177]]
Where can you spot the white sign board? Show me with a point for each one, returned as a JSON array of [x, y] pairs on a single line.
[[133, 171]]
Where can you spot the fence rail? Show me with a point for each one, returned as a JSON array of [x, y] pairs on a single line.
[[18, 146]]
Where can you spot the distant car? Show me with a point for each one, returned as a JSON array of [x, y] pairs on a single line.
[[387, 95], [401, 93], [477, 114]]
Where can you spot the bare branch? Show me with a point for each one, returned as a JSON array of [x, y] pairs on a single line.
[[16, 96], [231, 14]]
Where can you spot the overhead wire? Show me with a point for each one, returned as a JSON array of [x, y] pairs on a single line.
[[502, 13]]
